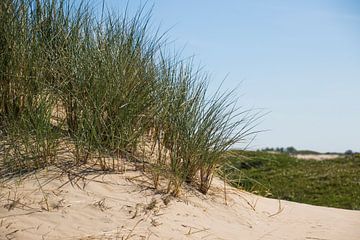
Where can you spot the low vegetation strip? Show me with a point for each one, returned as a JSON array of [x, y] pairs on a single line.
[[332, 183]]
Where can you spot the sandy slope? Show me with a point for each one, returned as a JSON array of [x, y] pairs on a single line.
[[121, 206]]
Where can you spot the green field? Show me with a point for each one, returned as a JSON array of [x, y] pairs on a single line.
[[332, 183]]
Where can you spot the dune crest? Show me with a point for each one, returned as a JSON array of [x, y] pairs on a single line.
[[124, 206]]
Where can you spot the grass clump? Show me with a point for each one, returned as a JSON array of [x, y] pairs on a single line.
[[105, 86], [31, 141], [332, 183]]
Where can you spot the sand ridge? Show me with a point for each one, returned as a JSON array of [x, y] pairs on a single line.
[[318, 157], [124, 206]]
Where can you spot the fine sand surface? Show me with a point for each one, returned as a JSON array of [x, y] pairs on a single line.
[[318, 157], [123, 206]]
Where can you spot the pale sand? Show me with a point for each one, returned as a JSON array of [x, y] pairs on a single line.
[[120, 206], [318, 157]]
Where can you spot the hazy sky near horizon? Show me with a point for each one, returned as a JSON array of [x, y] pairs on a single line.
[[297, 60]]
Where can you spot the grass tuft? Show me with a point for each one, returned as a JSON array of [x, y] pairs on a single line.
[[106, 85]]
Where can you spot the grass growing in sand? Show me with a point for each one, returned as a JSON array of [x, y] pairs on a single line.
[[107, 88], [332, 183]]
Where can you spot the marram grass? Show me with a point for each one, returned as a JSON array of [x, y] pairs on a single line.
[[106, 85]]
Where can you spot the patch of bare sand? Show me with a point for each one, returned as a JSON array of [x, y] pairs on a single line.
[[318, 157], [123, 206]]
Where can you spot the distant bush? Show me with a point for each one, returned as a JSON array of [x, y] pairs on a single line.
[[348, 152], [290, 150]]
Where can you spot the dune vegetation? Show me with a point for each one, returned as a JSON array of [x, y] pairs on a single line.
[[331, 183], [106, 87]]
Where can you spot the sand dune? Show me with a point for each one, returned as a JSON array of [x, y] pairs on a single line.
[[123, 206], [318, 157]]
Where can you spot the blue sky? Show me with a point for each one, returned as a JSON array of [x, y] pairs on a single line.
[[297, 60]]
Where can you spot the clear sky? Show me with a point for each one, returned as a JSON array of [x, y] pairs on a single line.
[[297, 60]]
